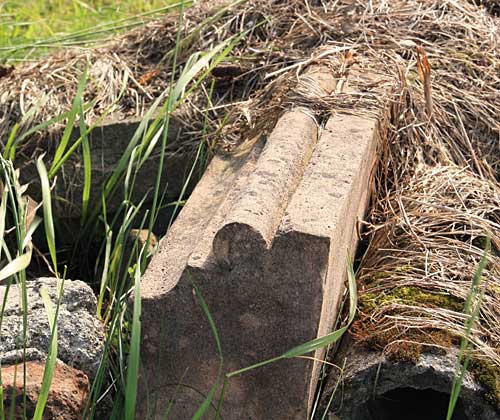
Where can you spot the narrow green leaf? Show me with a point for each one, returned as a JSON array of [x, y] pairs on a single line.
[[472, 313], [221, 398], [50, 364], [17, 264], [105, 272], [63, 144], [87, 163], [3, 213], [10, 142], [134, 354], [205, 405], [47, 211], [211, 321]]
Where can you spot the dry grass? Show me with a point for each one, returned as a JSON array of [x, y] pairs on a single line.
[[437, 192], [430, 239]]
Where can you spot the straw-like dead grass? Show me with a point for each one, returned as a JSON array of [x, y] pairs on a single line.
[[421, 258], [437, 194]]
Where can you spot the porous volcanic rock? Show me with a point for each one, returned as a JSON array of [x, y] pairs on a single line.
[[80, 333]]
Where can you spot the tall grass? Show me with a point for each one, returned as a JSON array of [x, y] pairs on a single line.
[[472, 309], [117, 374], [16, 258], [30, 29], [50, 365]]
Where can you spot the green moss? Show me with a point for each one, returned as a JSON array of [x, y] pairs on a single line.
[[488, 375], [403, 351], [405, 345], [368, 302], [494, 289]]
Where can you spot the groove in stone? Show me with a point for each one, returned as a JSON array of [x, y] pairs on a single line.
[[252, 221]]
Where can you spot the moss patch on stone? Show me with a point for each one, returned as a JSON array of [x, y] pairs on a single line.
[[488, 375], [368, 302], [403, 344]]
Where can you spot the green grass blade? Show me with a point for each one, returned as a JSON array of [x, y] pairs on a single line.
[[202, 409], [63, 144], [3, 214], [472, 313], [127, 182], [134, 354], [87, 163], [210, 319], [221, 398], [47, 211], [168, 108], [17, 265], [334, 391], [39, 127], [10, 142], [50, 365], [207, 402], [105, 272]]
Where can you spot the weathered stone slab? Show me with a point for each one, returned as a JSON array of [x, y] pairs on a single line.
[[107, 143], [265, 238], [250, 225]]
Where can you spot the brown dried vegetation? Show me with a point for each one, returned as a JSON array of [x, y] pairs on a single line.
[[437, 194]]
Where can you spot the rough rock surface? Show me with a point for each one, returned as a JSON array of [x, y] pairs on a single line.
[[67, 395], [80, 334], [369, 374]]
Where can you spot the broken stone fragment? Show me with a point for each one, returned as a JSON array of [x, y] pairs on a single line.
[[372, 386], [80, 333], [142, 236], [67, 396]]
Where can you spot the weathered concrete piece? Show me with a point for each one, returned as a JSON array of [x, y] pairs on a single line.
[[108, 142], [265, 238], [80, 334], [370, 383], [251, 223], [67, 396]]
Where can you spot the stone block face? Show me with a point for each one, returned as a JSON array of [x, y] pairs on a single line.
[[107, 144], [265, 237]]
